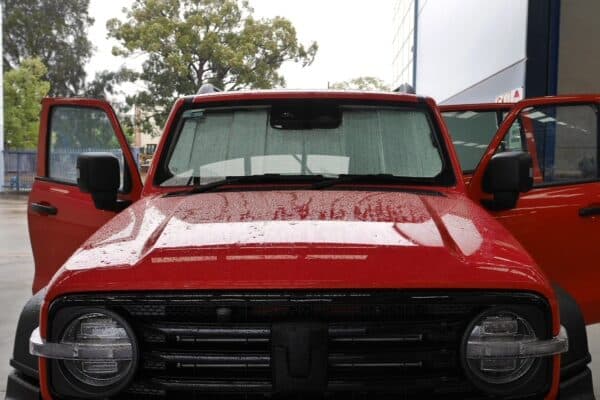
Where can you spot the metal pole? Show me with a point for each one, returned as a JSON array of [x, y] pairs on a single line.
[[1, 109], [18, 171]]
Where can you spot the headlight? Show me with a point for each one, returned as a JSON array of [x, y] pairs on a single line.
[[95, 357], [99, 331], [489, 346], [501, 350]]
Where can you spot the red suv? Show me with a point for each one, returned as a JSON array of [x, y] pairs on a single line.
[[286, 245]]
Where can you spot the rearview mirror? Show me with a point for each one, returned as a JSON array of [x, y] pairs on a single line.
[[99, 174], [507, 175]]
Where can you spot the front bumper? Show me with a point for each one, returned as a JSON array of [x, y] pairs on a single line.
[[19, 387], [578, 387]]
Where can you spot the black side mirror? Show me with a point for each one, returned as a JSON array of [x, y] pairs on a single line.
[[507, 175], [100, 175]]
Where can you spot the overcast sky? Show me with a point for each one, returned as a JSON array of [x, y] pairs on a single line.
[[354, 37]]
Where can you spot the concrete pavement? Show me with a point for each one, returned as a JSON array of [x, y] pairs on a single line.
[[16, 275]]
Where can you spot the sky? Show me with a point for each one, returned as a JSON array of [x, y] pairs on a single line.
[[354, 37]]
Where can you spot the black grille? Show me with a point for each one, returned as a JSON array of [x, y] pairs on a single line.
[[381, 344]]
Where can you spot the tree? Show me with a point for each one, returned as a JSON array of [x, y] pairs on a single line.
[[106, 85], [361, 83], [192, 42], [53, 31], [24, 89]]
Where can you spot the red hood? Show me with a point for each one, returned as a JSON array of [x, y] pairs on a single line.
[[301, 239]]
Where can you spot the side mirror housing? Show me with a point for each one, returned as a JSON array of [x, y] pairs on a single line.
[[99, 174], [507, 175]]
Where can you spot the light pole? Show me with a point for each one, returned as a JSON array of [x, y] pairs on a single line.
[[1, 109]]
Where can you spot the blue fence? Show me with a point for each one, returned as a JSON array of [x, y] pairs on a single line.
[[20, 166], [19, 169]]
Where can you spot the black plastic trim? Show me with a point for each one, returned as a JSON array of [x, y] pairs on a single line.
[[19, 387], [574, 361], [579, 387], [29, 319], [24, 368]]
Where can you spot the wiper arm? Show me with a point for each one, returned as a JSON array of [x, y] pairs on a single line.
[[367, 178], [230, 180], [249, 179]]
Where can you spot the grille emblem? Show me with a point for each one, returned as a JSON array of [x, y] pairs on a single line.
[[299, 357]]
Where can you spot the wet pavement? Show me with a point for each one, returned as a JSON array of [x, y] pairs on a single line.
[[16, 274]]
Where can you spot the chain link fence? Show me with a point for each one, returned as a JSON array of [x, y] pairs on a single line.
[[19, 169], [20, 166]]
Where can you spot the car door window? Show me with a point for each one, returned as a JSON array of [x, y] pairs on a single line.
[[563, 142], [514, 139], [471, 133], [76, 130]]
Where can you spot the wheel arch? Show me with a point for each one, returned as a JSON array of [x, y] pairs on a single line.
[[29, 319]]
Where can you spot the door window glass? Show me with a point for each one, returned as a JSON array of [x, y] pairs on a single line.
[[471, 133], [562, 140], [513, 141], [76, 130]]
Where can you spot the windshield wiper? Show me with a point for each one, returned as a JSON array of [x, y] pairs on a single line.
[[316, 181], [250, 179], [366, 178]]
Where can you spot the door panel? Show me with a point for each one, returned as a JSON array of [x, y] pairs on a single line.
[[562, 136], [60, 216], [564, 245]]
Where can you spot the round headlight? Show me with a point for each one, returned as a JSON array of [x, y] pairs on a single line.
[[108, 333], [490, 347]]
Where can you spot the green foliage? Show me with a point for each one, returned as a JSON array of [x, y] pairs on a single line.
[[192, 42], [107, 84], [361, 83], [82, 128], [24, 89], [53, 31]]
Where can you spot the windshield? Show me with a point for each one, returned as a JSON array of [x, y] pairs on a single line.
[[472, 132], [303, 139]]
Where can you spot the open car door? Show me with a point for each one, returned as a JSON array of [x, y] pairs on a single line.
[[472, 127], [60, 216], [558, 221]]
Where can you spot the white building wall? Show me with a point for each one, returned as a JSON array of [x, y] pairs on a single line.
[[403, 15], [464, 43]]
